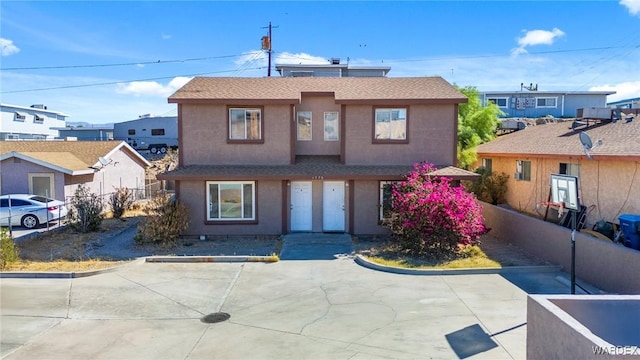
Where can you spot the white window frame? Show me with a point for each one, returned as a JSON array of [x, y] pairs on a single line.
[[38, 119], [247, 119], [210, 203], [572, 169], [496, 99], [300, 115], [18, 116], [332, 116], [52, 183], [381, 112], [521, 173], [546, 99]]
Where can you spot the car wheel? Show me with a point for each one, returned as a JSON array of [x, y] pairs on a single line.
[[163, 150], [29, 221], [153, 150]]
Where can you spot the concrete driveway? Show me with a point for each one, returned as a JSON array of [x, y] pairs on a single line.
[[315, 309]]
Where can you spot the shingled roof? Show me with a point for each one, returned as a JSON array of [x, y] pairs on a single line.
[[620, 141], [71, 157], [345, 89]]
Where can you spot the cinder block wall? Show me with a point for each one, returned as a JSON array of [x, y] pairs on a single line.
[[610, 267]]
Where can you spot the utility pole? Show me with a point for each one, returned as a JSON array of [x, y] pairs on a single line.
[[266, 45]]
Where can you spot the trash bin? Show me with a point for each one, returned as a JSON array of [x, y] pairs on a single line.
[[630, 225]]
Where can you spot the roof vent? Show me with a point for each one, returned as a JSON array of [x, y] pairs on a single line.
[[39, 106], [335, 61]]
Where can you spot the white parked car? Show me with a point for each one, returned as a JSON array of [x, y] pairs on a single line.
[[30, 211]]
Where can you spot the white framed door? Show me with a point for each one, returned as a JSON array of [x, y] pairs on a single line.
[[301, 206], [333, 206]]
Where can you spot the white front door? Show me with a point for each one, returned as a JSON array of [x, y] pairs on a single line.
[[301, 206], [333, 206]]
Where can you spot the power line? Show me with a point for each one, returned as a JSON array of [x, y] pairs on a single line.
[[123, 64], [121, 82]]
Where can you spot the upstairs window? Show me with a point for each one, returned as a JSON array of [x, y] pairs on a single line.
[[304, 126], [245, 124], [549, 102], [523, 170], [19, 116], [390, 125], [331, 126], [38, 119], [569, 169], [157, 132], [131, 131]]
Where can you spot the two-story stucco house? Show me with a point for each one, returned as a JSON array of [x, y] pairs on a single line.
[[267, 156]]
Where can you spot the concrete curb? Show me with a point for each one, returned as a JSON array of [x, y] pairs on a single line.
[[64, 275], [362, 261], [149, 259], [212, 259]]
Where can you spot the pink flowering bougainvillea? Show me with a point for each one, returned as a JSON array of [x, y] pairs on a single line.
[[430, 217]]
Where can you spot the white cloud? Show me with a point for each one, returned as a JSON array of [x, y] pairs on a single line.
[[165, 36], [536, 37], [300, 59], [632, 5], [625, 90], [7, 47], [152, 88]]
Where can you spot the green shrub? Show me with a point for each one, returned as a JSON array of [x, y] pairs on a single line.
[[85, 213], [491, 188], [8, 250], [166, 219], [120, 201]]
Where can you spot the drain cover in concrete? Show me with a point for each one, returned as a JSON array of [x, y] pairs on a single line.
[[215, 318]]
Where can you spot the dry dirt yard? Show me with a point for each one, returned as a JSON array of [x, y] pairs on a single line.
[[66, 250]]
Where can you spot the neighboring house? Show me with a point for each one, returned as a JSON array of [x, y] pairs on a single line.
[[56, 168], [535, 104], [333, 69], [633, 103], [89, 133], [609, 184], [153, 133], [34, 122], [266, 156]]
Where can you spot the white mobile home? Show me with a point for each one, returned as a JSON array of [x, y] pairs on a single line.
[[153, 133]]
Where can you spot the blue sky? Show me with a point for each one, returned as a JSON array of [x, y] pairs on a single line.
[[111, 61]]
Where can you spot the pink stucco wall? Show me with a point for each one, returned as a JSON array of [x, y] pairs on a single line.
[[15, 177], [432, 130], [205, 133], [318, 105]]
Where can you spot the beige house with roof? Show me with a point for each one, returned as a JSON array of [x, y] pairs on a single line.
[[56, 168], [609, 182], [268, 156]]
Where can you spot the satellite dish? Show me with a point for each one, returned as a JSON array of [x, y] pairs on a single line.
[[585, 139], [103, 161]]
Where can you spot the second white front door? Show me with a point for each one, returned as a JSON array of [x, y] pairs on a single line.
[[301, 206], [333, 206]]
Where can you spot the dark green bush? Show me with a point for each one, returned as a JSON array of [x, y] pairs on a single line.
[[85, 213], [166, 219], [120, 201]]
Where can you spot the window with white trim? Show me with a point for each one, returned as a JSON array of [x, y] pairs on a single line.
[[38, 119], [19, 116], [331, 126], [231, 200], [304, 126], [42, 184], [502, 102], [386, 196], [245, 124], [487, 164], [523, 170], [569, 169], [390, 124], [546, 102]]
